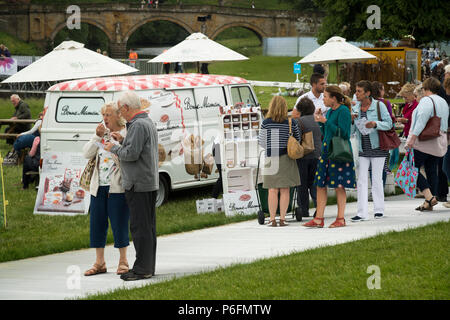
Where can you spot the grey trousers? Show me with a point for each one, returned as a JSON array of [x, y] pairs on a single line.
[[142, 207]]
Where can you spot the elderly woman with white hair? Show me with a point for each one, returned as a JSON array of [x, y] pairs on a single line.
[[107, 194]]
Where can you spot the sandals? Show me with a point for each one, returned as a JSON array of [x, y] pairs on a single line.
[[96, 269], [283, 223], [431, 203], [312, 224], [122, 268], [272, 223], [337, 224]]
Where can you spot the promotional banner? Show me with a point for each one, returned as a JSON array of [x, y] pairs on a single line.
[[59, 186], [8, 66]]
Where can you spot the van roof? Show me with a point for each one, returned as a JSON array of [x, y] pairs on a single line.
[[145, 82]]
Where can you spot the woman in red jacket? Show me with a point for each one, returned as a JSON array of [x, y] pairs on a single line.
[[407, 92]]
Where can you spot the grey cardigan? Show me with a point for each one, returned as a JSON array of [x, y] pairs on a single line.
[[138, 155]]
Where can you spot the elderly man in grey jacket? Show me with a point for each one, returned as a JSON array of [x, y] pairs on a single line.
[[138, 156]]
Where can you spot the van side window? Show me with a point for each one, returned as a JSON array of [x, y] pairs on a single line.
[[242, 94], [79, 110]]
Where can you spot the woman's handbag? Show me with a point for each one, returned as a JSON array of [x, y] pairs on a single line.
[[389, 139], [433, 128], [86, 176], [407, 174], [340, 149], [307, 140], [294, 148]]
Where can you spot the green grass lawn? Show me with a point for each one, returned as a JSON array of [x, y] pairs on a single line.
[[413, 264]]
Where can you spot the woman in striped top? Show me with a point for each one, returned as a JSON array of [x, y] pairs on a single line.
[[280, 172], [370, 153]]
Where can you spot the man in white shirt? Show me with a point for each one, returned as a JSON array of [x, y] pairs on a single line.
[[318, 84]]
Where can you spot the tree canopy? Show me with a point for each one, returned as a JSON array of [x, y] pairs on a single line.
[[427, 21]]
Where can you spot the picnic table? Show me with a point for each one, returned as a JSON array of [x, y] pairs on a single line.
[[12, 122]]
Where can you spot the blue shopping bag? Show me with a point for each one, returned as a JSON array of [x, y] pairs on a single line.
[[407, 174]]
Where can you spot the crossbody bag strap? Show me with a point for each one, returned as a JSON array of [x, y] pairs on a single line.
[[290, 126]]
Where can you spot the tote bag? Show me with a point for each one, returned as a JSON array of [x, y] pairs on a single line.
[[340, 149], [407, 174]]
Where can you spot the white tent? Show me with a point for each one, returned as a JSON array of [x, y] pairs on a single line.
[[198, 48], [336, 50], [70, 60]]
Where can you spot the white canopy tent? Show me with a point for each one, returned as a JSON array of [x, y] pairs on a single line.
[[198, 48], [70, 60], [336, 50]]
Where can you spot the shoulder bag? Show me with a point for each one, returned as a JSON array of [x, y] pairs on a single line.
[[340, 149], [294, 148], [433, 128], [389, 139], [86, 176]]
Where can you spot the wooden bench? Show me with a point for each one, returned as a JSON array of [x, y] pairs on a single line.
[[8, 135]]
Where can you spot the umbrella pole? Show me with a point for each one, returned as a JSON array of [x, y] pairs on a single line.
[[337, 71]]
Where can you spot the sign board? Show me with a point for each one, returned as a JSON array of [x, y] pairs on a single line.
[[297, 68], [59, 186], [240, 202]]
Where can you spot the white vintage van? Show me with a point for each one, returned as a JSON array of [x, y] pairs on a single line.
[[184, 107]]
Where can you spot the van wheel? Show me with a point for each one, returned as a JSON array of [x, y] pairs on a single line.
[[163, 191]]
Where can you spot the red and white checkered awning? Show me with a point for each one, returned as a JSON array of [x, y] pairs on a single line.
[[145, 82]]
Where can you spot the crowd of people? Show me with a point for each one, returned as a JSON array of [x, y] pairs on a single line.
[[328, 112], [433, 63]]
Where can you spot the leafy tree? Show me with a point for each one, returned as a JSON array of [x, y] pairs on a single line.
[[427, 20], [303, 5]]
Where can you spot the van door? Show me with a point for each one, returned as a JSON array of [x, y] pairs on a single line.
[[208, 100], [174, 115], [71, 119]]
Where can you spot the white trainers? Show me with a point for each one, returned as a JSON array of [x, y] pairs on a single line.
[[447, 204]]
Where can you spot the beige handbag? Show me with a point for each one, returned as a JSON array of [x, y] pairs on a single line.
[[86, 176], [307, 140], [294, 148]]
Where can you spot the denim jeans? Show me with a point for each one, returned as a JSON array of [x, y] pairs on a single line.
[[113, 206], [24, 141]]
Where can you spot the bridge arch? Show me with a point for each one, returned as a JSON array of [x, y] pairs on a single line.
[[63, 24], [159, 18], [259, 32]]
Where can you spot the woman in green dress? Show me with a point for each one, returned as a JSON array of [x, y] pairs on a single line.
[[331, 173]]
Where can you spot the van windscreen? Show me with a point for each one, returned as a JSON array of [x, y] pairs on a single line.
[[79, 110]]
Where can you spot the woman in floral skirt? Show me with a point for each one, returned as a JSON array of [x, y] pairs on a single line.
[[331, 173]]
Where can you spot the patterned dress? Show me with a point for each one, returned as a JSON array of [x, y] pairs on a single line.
[[334, 174]]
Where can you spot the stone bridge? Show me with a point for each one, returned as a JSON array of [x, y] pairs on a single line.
[[41, 23]]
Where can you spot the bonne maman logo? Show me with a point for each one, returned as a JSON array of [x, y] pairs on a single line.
[[245, 203]]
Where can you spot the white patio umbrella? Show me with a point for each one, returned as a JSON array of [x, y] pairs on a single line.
[[198, 48], [336, 50], [70, 60]]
